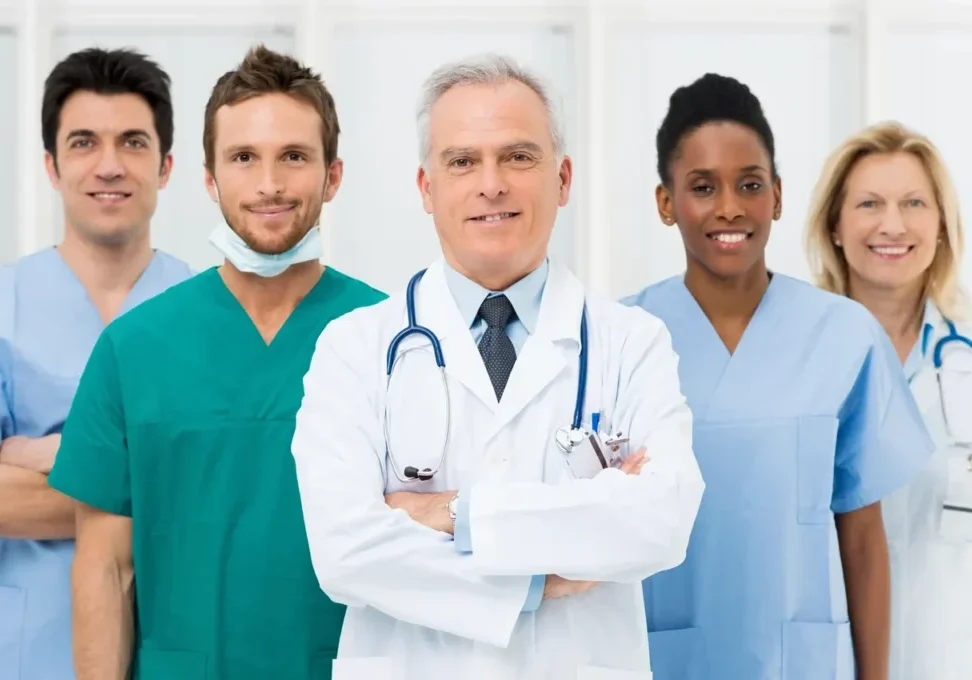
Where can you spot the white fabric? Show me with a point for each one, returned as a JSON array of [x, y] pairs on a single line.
[[420, 610]]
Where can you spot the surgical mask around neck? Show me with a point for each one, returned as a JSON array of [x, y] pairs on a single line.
[[248, 260]]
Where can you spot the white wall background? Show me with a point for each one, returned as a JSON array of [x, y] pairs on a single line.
[[822, 68]]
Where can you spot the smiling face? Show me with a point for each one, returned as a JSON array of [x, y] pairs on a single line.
[[492, 181], [723, 197], [269, 174], [889, 222], [109, 166]]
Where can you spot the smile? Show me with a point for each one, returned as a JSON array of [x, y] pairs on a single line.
[[729, 240], [109, 196], [891, 252], [496, 217]]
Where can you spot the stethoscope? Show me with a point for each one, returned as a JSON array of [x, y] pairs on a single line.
[[952, 336], [566, 437]]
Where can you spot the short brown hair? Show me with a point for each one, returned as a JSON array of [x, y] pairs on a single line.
[[264, 71]]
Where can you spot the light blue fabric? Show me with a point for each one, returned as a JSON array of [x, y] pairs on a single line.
[[48, 326], [525, 296], [245, 259], [811, 416]]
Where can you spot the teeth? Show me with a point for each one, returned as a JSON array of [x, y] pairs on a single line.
[[890, 250], [496, 218], [730, 238], [102, 194]]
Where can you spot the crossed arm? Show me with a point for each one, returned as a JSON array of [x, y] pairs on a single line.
[[29, 507]]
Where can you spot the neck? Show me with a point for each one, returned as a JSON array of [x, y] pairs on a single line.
[[494, 280], [728, 298], [265, 297], [102, 269], [899, 311]]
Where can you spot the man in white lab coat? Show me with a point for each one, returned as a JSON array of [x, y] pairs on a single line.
[[439, 505]]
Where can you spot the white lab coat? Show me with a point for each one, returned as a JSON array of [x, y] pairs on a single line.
[[931, 549], [420, 610]]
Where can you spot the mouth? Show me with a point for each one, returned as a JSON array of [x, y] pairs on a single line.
[[495, 218], [272, 211], [109, 197], [730, 240], [891, 252]]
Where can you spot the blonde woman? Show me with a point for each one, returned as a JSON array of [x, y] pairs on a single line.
[[884, 229]]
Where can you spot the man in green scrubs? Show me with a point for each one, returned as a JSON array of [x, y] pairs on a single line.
[[192, 560]]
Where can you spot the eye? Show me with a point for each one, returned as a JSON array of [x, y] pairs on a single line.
[[242, 157], [461, 163], [521, 158], [870, 203], [915, 203], [701, 189], [295, 156], [80, 143], [752, 186]]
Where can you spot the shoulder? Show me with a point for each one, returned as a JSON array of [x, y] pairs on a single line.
[[168, 309], [350, 292], [655, 296], [173, 268]]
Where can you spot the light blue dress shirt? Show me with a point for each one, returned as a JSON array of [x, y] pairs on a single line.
[[525, 296]]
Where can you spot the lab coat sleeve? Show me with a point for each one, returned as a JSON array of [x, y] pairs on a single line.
[[614, 527], [363, 552], [92, 464], [882, 439]]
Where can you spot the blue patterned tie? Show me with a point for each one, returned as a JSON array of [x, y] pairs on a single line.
[[496, 348]]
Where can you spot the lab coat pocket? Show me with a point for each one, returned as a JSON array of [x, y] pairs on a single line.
[[816, 443], [956, 520], [600, 673], [159, 664], [364, 668], [13, 606], [817, 651], [677, 654]]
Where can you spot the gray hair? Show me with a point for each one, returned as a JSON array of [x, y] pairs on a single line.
[[487, 69]]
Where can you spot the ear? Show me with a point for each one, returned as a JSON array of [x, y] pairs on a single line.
[[166, 171], [50, 164], [334, 176], [666, 207], [210, 182], [425, 189], [566, 177], [777, 198]]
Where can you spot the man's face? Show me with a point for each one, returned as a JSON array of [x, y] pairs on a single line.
[[108, 167], [269, 174], [492, 181]]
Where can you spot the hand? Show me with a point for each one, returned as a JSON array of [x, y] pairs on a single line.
[[36, 454], [557, 586], [430, 509], [632, 464]]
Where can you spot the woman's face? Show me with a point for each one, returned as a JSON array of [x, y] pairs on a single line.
[[889, 222], [723, 197]]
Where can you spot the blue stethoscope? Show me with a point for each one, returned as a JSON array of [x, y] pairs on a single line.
[[952, 336], [567, 437]]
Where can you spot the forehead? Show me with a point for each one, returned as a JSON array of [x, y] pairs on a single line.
[[722, 146], [890, 172], [489, 115], [268, 120], [105, 114]]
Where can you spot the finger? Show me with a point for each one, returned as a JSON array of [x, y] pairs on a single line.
[[632, 463]]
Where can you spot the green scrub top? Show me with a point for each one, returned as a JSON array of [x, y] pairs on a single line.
[[183, 421]]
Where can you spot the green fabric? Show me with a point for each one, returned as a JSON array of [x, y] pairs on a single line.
[[183, 420]]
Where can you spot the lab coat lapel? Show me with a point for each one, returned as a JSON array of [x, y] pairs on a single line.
[[548, 349], [436, 309]]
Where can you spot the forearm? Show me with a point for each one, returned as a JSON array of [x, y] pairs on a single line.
[[614, 527], [103, 626], [30, 509], [867, 579]]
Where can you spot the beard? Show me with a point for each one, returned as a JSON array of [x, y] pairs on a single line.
[[305, 216]]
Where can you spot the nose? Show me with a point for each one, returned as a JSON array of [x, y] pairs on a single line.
[[492, 182], [110, 167], [892, 222], [271, 180], [728, 206]]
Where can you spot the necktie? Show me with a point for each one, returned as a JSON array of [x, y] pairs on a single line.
[[496, 348]]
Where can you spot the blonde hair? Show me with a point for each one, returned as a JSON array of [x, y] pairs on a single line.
[[827, 261]]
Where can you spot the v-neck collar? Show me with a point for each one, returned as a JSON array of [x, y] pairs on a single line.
[[135, 295], [225, 296]]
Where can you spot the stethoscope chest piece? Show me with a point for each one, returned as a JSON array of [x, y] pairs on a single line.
[[569, 437]]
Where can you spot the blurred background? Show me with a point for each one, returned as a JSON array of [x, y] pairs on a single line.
[[822, 68]]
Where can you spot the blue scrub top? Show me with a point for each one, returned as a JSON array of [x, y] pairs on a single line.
[[48, 326]]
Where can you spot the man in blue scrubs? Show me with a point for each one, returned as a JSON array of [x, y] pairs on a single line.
[[107, 131]]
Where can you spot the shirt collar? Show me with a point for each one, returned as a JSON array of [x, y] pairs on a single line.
[[930, 327], [524, 295]]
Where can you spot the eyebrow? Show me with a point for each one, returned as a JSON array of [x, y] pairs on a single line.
[[451, 151], [249, 148], [705, 172], [85, 133]]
